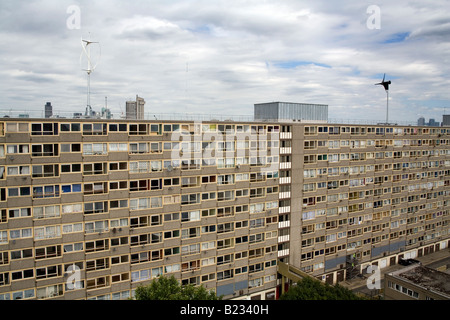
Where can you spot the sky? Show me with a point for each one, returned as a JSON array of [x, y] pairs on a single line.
[[222, 57]]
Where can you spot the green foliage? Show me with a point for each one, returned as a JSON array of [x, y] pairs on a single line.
[[311, 289], [163, 288]]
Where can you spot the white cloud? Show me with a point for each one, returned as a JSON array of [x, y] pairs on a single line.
[[223, 56]]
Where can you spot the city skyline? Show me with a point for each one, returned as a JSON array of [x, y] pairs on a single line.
[[223, 57]]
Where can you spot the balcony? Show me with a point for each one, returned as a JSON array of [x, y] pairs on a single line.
[[285, 135], [285, 165], [283, 253], [284, 195], [284, 224], [284, 180], [284, 209], [283, 238], [286, 150]]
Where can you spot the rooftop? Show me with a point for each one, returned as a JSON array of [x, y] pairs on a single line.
[[425, 277], [28, 115]]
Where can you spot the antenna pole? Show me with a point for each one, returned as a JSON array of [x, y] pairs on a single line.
[[88, 100], [90, 68], [387, 106]]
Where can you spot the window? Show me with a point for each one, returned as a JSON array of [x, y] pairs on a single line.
[[22, 274], [98, 245], [19, 192], [94, 129], [95, 149], [70, 188], [21, 254], [190, 181], [17, 170], [72, 208], [73, 247], [70, 168], [192, 198], [48, 272], [20, 233], [225, 195], [138, 129], [226, 274], [117, 204], [70, 127], [44, 150], [47, 191], [96, 226], [95, 188], [47, 252], [44, 129], [96, 207], [114, 127], [115, 166], [17, 148], [95, 168], [142, 147], [225, 227], [99, 282], [190, 249], [72, 228], [190, 233], [16, 127], [190, 216], [49, 292], [225, 212], [44, 171], [3, 236], [48, 232], [115, 147], [225, 179], [46, 212]]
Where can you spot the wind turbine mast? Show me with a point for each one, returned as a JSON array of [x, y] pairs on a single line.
[[85, 44], [386, 84]]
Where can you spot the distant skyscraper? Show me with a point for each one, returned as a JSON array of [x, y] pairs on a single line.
[[433, 123], [135, 109], [421, 121], [446, 120], [48, 110]]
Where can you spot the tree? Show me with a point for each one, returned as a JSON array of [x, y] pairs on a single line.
[[163, 288], [309, 288]]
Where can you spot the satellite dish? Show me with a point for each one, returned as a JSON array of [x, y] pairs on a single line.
[[169, 168]]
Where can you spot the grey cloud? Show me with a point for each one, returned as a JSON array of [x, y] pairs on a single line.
[[146, 46]]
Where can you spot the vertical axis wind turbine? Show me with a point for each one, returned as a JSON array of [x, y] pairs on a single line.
[[386, 84], [87, 51]]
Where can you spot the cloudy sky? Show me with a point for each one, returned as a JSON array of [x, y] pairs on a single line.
[[222, 56]]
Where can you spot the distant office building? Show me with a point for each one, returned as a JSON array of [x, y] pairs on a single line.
[[106, 113], [421, 121], [135, 109], [286, 111], [433, 123], [48, 110], [446, 120]]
